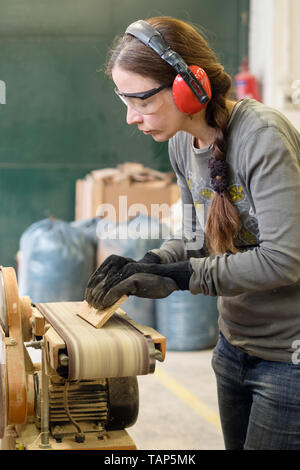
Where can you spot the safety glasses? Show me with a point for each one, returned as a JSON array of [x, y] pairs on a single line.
[[147, 102]]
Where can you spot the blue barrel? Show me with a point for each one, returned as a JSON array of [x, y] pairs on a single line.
[[140, 310], [189, 322]]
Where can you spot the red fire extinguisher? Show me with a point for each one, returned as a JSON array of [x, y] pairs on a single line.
[[246, 85]]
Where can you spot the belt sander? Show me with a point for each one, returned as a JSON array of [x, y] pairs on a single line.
[[83, 393]]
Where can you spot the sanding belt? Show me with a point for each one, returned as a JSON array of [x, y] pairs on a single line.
[[115, 350]]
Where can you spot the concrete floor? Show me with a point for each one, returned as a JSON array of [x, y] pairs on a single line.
[[178, 405]]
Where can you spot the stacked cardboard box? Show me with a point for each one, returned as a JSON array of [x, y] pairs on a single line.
[[123, 192]]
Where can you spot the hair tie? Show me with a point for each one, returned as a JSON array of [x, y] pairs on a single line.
[[218, 174]]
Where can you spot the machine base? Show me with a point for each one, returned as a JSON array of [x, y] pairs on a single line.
[[30, 440]]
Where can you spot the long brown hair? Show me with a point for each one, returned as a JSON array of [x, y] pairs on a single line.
[[129, 53]]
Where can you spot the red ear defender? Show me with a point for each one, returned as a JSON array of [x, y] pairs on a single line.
[[184, 98]]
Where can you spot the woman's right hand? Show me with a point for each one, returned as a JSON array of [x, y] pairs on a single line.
[[112, 265]]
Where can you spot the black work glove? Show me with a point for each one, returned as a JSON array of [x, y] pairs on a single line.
[[112, 265], [150, 258], [149, 286], [180, 273]]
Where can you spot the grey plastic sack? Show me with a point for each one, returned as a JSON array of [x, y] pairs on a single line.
[[56, 261]]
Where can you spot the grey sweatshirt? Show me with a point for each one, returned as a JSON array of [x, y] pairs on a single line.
[[258, 288]]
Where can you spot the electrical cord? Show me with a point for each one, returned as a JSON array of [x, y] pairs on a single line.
[[79, 436]]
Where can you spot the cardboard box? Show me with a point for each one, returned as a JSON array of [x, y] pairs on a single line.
[[123, 192]]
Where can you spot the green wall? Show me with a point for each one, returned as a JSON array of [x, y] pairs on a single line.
[[61, 118]]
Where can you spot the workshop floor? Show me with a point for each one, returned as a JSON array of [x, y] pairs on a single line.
[[178, 405]]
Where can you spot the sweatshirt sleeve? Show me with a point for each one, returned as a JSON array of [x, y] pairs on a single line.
[[271, 174], [189, 240]]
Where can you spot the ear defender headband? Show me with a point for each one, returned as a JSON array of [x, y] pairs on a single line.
[[191, 87]]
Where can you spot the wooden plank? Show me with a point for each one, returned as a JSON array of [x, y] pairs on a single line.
[[95, 317]]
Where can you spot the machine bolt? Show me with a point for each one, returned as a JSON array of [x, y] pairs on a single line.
[[79, 437], [12, 342]]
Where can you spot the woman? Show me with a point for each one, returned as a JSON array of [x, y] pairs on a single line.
[[237, 167]]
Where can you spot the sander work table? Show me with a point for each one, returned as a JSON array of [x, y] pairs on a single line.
[[84, 393]]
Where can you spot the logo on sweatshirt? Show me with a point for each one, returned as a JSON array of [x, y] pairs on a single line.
[[206, 194], [236, 193]]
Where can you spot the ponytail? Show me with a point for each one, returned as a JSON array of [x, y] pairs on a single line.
[[222, 224]]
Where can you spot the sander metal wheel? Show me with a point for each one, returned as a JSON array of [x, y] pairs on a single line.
[[15, 362], [3, 310], [3, 385]]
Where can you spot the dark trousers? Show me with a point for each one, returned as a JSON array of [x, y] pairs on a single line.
[[259, 401]]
